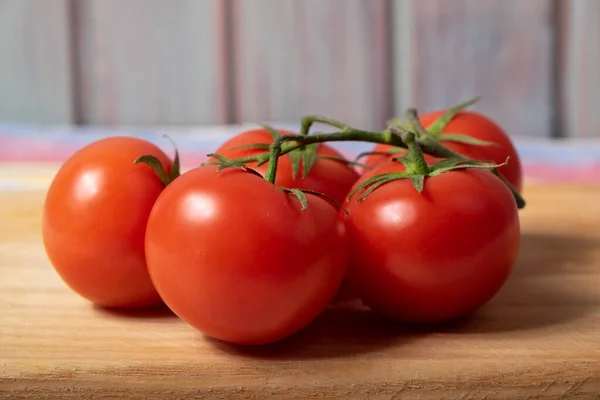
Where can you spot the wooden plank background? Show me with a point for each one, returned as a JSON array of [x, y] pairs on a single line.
[[35, 62], [198, 62], [147, 62], [581, 58], [313, 56], [500, 50]]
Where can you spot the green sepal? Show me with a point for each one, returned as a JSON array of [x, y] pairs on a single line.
[[451, 164], [518, 198], [460, 138], [309, 156], [264, 146], [175, 167], [330, 199], [295, 158], [300, 194], [457, 163], [156, 165], [373, 183], [418, 182], [274, 132], [158, 168], [416, 126], [219, 157], [224, 162], [439, 124], [444, 165]]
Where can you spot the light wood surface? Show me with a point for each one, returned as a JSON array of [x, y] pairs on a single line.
[[538, 339]]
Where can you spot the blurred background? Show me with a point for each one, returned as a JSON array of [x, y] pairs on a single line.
[[112, 64], [198, 62]]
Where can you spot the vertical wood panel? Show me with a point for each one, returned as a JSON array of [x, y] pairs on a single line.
[[500, 50], [153, 62], [581, 68], [35, 61], [296, 57]]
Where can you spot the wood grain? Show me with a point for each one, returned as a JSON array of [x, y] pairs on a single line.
[[296, 57], [153, 62], [448, 51], [537, 339], [35, 62], [581, 58]]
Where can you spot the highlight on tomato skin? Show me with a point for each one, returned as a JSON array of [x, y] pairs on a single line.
[[94, 221], [236, 257], [433, 256], [328, 176]]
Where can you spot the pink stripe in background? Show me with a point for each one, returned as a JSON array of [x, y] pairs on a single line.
[[543, 160]]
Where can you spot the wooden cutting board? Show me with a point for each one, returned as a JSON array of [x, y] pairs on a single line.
[[538, 338]]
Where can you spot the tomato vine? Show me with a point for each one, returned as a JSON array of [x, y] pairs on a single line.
[[395, 135], [400, 135]]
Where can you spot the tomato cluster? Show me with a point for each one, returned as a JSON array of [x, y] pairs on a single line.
[[251, 261]]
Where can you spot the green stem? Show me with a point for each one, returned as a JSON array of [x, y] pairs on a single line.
[[393, 137], [439, 124], [413, 119], [274, 154], [290, 143], [309, 120], [429, 144], [413, 161], [421, 142]]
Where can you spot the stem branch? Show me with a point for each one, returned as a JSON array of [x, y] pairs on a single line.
[[418, 142], [309, 120], [274, 154]]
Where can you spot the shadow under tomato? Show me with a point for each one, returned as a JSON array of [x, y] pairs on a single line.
[[549, 286], [156, 312], [340, 331]]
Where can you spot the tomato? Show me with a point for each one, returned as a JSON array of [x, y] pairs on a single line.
[[235, 257], [436, 255], [331, 177], [94, 221], [480, 127]]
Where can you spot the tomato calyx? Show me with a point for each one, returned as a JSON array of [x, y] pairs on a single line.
[[301, 195], [224, 162], [435, 128], [416, 168], [159, 169], [303, 147]]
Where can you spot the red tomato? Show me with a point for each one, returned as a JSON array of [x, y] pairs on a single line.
[[347, 292], [478, 126], [235, 257], [333, 178], [94, 221], [436, 255]]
